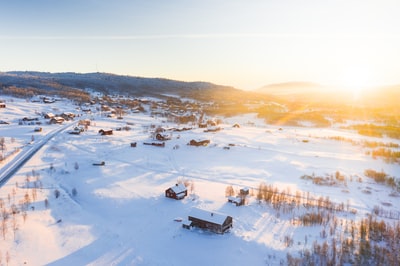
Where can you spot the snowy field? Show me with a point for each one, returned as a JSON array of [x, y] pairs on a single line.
[[117, 214]]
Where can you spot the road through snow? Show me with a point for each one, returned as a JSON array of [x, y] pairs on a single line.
[[8, 170]]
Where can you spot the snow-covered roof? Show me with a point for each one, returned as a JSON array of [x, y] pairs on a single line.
[[179, 188], [209, 216], [234, 199]]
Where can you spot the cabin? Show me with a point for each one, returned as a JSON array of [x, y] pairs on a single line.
[[48, 100], [212, 221], [37, 129], [244, 192], [199, 143], [68, 115], [213, 129], [76, 130], [179, 191], [157, 144], [84, 122], [238, 201], [2, 105], [49, 115], [162, 137], [102, 163], [105, 132], [133, 144], [57, 120]]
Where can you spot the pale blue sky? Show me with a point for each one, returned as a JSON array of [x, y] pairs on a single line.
[[242, 43]]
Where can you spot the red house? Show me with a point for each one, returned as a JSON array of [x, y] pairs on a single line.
[[179, 191]]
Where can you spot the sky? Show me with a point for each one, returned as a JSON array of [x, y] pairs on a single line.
[[242, 43]]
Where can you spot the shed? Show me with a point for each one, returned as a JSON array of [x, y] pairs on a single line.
[[105, 132], [179, 191], [209, 220], [199, 143], [56, 120], [244, 191], [238, 201]]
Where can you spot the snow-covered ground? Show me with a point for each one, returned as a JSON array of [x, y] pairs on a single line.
[[117, 214]]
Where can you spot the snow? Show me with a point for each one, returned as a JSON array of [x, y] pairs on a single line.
[[120, 216]]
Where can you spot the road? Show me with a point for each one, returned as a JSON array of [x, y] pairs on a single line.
[[9, 169]]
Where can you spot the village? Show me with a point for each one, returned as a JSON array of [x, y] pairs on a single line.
[[234, 177]]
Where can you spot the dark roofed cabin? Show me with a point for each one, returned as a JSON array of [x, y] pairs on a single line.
[[212, 221], [105, 132], [179, 191]]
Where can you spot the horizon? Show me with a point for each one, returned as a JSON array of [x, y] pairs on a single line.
[[232, 43]]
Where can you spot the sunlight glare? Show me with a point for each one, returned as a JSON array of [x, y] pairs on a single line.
[[356, 79]]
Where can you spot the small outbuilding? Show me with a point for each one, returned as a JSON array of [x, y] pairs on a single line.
[[104, 132], [238, 201], [244, 191], [56, 120], [179, 191], [199, 143], [212, 221]]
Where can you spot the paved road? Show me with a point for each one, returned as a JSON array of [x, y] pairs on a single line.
[[8, 170]]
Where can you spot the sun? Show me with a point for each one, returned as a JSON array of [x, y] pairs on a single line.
[[355, 79]]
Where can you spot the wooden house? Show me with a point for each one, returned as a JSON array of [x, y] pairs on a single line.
[[212, 221], [162, 137], [199, 143], [49, 115], [179, 191], [56, 120], [2, 105], [105, 132], [157, 144]]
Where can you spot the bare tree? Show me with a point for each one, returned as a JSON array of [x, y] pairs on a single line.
[[14, 225], [7, 257], [4, 227], [229, 191], [3, 146]]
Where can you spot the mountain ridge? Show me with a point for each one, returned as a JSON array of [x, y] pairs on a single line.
[[105, 82]]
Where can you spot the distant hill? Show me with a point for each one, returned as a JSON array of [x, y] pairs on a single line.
[[111, 84], [103, 82]]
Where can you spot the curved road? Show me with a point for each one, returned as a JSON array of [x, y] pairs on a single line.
[[9, 169]]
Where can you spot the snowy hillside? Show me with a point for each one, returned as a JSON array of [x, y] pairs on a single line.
[[71, 211]]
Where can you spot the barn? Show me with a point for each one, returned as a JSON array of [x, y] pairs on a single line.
[[212, 221], [179, 191]]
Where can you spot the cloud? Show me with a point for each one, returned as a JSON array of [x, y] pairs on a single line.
[[201, 36]]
